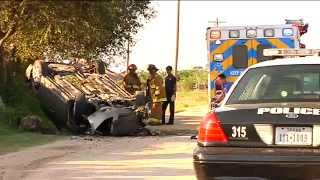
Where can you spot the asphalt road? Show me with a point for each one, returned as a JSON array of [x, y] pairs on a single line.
[[162, 157], [126, 158]]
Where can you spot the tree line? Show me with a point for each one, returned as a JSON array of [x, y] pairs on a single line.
[[37, 29], [187, 79]]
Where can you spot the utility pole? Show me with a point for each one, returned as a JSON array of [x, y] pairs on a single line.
[[128, 6], [177, 40], [128, 53]]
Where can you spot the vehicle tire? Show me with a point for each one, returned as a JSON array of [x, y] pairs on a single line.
[[77, 122], [79, 106], [29, 80], [100, 67], [41, 69], [71, 123], [34, 85], [44, 68]]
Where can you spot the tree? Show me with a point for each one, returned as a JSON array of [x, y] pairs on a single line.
[[71, 28], [193, 78]]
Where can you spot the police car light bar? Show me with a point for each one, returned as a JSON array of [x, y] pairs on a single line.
[[291, 52]]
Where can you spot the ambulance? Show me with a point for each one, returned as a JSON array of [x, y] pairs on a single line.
[[231, 49]]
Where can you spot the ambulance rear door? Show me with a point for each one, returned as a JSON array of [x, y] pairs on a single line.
[[230, 57]]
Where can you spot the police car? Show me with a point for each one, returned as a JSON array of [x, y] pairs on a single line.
[[268, 126]]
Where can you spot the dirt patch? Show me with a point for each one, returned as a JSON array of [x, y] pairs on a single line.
[[121, 158], [1, 173], [64, 148], [186, 123], [91, 157], [17, 165], [39, 162]]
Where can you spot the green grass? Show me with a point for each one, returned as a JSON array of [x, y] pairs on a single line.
[[21, 102], [12, 139], [187, 99]]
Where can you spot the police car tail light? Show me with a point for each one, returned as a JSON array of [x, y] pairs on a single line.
[[210, 130]]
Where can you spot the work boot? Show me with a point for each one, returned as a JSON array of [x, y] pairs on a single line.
[[169, 123]]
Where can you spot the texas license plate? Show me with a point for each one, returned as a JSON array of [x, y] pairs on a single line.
[[300, 136]]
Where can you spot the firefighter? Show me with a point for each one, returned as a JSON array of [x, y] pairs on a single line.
[[171, 88], [131, 81], [156, 91]]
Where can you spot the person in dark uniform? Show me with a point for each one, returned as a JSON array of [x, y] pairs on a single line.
[[171, 87]]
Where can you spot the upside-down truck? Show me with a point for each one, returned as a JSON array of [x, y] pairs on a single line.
[[85, 99]]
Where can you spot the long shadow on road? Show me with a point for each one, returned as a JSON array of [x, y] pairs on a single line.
[[186, 123], [125, 158], [152, 158]]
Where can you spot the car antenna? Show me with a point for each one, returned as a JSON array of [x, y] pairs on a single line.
[[217, 22]]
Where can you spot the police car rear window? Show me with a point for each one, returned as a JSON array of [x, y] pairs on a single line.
[[240, 56], [286, 83]]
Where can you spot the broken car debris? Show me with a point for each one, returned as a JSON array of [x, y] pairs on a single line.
[[85, 99]]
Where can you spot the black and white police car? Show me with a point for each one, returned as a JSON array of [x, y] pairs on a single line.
[[268, 126]]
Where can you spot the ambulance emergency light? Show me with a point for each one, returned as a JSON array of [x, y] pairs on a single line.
[[268, 32], [234, 33], [291, 52], [251, 33], [218, 57], [215, 34], [287, 32]]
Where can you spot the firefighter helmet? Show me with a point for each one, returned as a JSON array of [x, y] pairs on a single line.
[[132, 67]]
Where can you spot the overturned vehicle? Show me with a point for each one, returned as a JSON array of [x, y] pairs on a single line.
[[85, 99]]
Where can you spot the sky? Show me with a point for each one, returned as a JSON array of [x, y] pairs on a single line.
[[156, 41]]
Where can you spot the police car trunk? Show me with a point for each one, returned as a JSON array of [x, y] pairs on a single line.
[[268, 125], [274, 106]]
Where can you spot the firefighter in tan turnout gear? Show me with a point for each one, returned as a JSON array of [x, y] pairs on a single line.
[[131, 81], [156, 91]]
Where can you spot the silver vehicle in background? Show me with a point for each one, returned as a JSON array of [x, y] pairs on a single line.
[[85, 98]]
